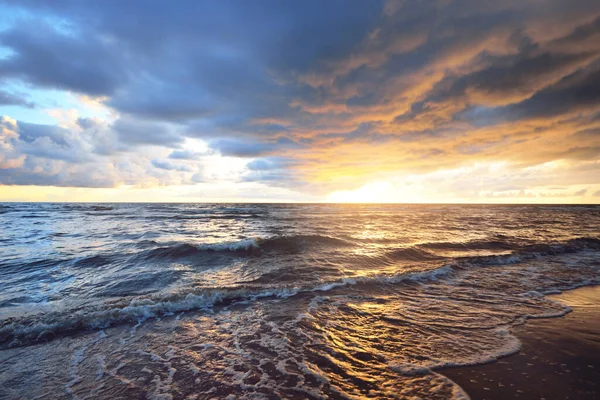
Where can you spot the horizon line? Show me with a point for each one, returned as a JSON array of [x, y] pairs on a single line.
[[302, 202]]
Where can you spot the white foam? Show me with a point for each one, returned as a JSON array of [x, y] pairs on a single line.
[[230, 246], [142, 309], [78, 358], [417, 276], [410, 369]]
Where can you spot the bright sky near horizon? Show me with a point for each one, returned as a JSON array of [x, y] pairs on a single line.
[[366, 101]]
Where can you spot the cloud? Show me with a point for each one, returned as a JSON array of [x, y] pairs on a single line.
[[51, 155], [11, 99], [29, 132], [237, 148], [317, 96], [82, 61], [208, 58], [89, 122], [163, 164], [240, 148], [509, 79], [137, 132], [187, 154], [275, 171], [261, 164], [579, 91]]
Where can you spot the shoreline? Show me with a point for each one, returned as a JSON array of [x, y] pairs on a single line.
[[559, 357]]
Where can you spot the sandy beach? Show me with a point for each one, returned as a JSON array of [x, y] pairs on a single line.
[[559, 357]]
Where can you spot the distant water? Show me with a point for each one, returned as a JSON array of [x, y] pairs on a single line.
[[274, 301]]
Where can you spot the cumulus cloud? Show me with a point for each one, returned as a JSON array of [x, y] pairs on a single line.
[[50, 155]]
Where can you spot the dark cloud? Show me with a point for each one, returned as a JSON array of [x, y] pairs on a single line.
[[137, 132], [580, 34], [169, 166], [240, 148], [29, 132], [81, 61], [187, 154], [573, 93], [63, 178], [11, 99], [196, 60], [508, 76], [89, 122]]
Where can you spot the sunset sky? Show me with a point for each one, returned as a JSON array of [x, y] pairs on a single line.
[[408, 101]]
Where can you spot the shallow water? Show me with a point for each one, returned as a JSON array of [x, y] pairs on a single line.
[[268, 301]]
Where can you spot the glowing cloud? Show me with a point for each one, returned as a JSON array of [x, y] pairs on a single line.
[[372, 101]]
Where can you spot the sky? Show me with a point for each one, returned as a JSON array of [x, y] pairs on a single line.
[[479, 101]]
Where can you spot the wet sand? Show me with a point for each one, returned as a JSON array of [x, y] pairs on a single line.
[[559, 357]]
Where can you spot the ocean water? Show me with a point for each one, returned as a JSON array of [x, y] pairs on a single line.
[[200, 301]]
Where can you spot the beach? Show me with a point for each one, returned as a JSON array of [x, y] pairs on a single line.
[[559, 357]]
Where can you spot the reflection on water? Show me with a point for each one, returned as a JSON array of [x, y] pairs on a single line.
[[270, 301]]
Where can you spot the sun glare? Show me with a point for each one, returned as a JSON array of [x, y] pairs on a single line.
[[376, 192]]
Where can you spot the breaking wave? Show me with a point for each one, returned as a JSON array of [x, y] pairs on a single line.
[[318, 301], [23, 331]]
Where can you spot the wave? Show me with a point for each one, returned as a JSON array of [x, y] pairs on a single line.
[[34, 216], [291, 244], [101, 208], [248, 247], [296, 244], [197, 216], [533, 251], [411, 254], [245, 247], [511, 346], [29, 330], [15, 332], [570, 246], [213, 216], [12, 266], [93, 261], [471, 245], [501, 242]]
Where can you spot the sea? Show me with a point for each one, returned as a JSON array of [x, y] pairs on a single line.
[[269, 301]]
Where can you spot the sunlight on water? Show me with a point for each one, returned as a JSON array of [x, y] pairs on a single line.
[[309, 301]]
